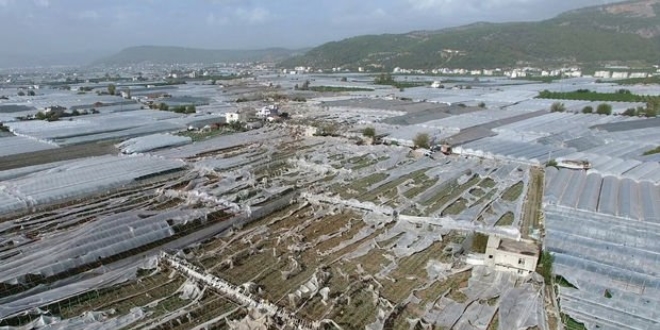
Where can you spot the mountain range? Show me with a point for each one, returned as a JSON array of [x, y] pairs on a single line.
[[620, 33], [177, 55], [624, 33]]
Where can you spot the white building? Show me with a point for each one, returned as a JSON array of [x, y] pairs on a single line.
[[619, 75], [638, 75], [232, 117], [268, 111], [509, 255], [603, 74]]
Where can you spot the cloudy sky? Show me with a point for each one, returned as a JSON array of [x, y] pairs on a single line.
[[61, 26]]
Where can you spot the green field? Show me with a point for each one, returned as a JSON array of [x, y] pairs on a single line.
[[587, 95]]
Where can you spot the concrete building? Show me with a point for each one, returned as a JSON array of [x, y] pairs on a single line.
[[619, 75], [638, 75], [509, 255], [55, 109], [603, 74], [232, 117], [269, 110]]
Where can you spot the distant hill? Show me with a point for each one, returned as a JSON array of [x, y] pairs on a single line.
[[627, 32], [173, 55], [9, 59]]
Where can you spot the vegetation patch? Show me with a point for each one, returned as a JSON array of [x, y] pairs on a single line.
[[455, 208], [638, 81], [513, 193], [545, 266], [477, 192], [622, 95], [449, 193], [487, 183], [506, 219], [571, 324], [421, 184], [563, 282], [652, 151], [479, 243]]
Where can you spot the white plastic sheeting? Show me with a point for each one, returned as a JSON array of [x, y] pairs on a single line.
[[219, 143], [600, 253], [152, 142], [609, 195], [101, 127], [78, 179], [517, 151], [13, 145], [91, 242]]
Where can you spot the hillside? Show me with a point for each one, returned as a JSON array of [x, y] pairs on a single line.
[[627, 32], [173, 55]]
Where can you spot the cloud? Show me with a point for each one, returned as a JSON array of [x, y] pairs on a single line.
[[254, 15], [5, 3], [89, 15], [456, 4], [212, 19], [42, 3]]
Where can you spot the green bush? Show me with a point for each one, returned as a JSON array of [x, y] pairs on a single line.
[[545, 266], [369, 132], [604, 109]]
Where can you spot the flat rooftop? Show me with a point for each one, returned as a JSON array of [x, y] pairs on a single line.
[[521, 247]]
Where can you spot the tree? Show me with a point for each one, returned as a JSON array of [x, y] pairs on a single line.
[[604, 109], [112, 89], [344, 79], [545, 264], [369, 132], [41, 116], [75, 112], [482, 105], [191, 109], [422, 140], [296, 87], [650, 113], [163, 107], [384, 79], [557, 107], [21, 93], [630, 112], [588, 109], [330, 129], [305, 85], [551, 163], [31, 93]]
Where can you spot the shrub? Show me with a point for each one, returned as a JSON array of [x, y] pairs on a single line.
[[630, 112], [545, 264], [588, 109], [422, 140], [604, 109], [369, 132], [557, 107]]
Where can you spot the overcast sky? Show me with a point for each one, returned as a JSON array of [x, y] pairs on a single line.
[[61, 26]]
